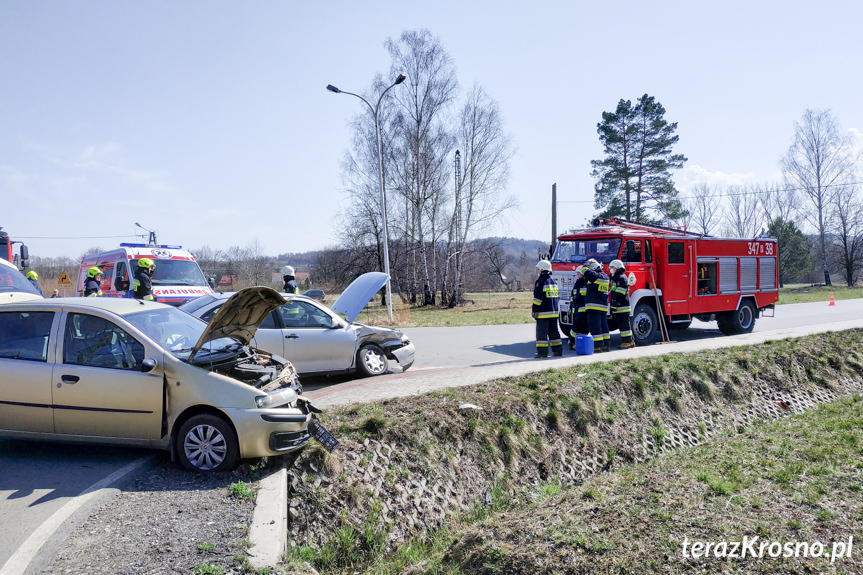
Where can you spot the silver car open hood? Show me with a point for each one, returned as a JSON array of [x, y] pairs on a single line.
[[241, 315], [361, 291]]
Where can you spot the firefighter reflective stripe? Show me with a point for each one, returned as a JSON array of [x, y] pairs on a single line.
[[596, 307], [545, 297], [620, 309], [149, 298]]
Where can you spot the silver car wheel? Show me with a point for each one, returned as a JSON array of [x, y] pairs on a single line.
[[205, 447], [207, 442], [372, 360]]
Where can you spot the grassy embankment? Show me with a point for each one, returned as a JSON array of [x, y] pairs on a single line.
[[796, 479], [514, 308]]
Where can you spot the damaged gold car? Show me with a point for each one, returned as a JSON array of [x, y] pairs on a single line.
[[138, 373]]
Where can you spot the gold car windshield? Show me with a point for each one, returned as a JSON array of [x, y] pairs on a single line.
[[177, 332]]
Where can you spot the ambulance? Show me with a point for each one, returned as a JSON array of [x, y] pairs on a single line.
[[177, 278]]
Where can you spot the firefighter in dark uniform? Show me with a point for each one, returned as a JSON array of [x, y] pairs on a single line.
[[143, 285], [577, 312], [33, 277], [596, 304], [290, 280], [619, 300], [545, 310], [93, 283]]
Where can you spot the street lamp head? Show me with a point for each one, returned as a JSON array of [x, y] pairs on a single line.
[[332, 88], [400, 79]]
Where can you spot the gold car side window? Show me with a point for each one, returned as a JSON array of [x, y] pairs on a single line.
[[24, 335], [96, 342]]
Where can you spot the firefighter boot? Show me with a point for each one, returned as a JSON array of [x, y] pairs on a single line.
[[627, 345]]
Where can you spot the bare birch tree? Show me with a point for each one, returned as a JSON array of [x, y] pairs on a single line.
[[480, 198], [779, 203], [742, 217], [847, 249], [702, 209], [818, 162], [422, 104]]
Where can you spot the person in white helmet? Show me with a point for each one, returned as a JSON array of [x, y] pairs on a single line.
[[545, 310], [290, 281], [619, 300]]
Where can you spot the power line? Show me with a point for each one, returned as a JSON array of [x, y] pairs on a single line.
[[731, 194], [75, 237]]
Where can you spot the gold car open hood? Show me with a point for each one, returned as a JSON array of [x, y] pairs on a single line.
[[241, 315]]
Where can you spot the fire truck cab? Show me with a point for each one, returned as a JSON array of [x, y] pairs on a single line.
[[674, 275], [176, 280]]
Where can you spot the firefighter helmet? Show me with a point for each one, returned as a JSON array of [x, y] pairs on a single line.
[[543, 265], [287, 271], [31, 275], [593, 264], [146, 263], [93, 272], [616, 265]]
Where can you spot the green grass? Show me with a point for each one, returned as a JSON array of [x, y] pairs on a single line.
[[805, 293], [797, 478], [634, 520], [242, 490]]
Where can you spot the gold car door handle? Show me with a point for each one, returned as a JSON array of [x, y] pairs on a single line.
[[69, 379]]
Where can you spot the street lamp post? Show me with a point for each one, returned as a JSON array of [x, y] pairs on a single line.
[[374, 110], [152, 240]]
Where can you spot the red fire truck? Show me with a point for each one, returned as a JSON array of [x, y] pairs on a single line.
[[675, 275], [7, 253]]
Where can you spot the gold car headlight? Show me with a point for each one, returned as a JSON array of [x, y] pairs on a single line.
[[276, 398]]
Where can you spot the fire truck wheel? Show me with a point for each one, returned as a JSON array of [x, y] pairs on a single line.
[[645, 325], [740, 321]]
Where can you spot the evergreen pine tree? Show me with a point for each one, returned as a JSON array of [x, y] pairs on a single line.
[[634, 179]]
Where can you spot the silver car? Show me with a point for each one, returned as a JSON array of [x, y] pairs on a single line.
[[317, 340], [131, 372]]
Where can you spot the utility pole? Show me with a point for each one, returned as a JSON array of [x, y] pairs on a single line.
[[553, 219]]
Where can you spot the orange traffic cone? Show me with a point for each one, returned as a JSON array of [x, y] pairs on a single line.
[[831, 301]]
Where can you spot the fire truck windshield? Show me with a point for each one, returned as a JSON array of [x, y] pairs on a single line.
[[602, 250]]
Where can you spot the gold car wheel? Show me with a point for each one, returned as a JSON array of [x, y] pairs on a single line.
[[207, 443]]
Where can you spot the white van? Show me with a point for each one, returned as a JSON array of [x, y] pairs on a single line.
[[176, 280]]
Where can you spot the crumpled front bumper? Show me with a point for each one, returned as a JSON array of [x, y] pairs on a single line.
[[404, 355]]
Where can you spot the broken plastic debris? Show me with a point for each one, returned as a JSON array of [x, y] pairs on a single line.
[[468, 406]]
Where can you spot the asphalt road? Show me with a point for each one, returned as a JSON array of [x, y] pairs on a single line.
[[451, 357], [43, 485]]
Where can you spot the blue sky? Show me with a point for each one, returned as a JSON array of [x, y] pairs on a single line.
[[209, 122]]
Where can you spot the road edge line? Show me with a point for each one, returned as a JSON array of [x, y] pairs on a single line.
[[19, 561]]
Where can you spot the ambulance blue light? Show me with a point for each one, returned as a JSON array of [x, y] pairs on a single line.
[[133, 245], [171, 247]]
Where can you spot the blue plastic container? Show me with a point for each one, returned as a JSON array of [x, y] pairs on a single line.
[[584, 344]]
